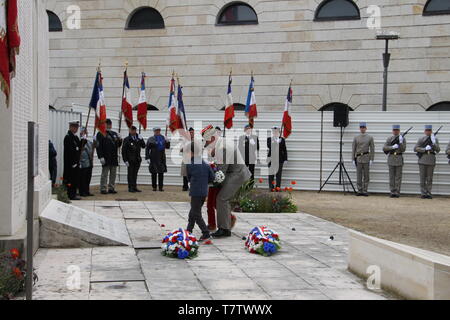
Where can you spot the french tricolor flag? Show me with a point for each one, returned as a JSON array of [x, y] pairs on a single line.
[[127, 107], [250, 109], [287, 120], [173, 120], [98, 103], [142, 104], [229, 109]]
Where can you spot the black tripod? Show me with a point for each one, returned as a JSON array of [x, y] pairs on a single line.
[[344, 178]]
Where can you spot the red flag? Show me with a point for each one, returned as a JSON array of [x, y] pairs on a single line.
[[229, 109], [127, 107], [287, 120], [9, 44], [142, 104]]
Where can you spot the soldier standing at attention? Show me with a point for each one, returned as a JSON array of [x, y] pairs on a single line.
[[72, 152], [249, 148], [395, 146], [363, 155], [427, 147], [131, 154]]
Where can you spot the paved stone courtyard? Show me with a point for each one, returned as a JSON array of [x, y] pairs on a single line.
[[309, 266]]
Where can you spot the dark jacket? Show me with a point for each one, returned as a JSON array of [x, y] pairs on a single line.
[[72, 149], [52, 163], [157, 158], [107, 148], [131, 149], [199, 175], [282, 151]]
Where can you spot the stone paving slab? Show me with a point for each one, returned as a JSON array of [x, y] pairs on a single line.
[[309, 266]]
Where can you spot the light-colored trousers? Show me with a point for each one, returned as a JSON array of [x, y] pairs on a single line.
[[395, 179], [112, 172], [223, 206], [363, 177], [426, 179]]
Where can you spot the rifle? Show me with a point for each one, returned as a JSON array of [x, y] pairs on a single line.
[[428, 142], [397, 140]]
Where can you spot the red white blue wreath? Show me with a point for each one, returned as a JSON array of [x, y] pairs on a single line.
[[263, 241], [180, 244]]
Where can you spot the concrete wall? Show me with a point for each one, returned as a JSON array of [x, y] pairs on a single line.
[[29, 102], [329, 61]]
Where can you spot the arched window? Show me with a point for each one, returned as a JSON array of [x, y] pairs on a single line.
[[237, 107], [236, 13], [436, 7], [332, 106], [54, 23], [145, 18], [331, 10], [440, 106]]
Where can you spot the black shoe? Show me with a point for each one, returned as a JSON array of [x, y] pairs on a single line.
[[185, 188], [90, 194], [112, 191], [137, 190], [75, 198], [430, 197], [424, 197], [365, 194], [154, 189], [204, 237], [359, 194], [221, 233], [132, 190], [83, 195], [392, 196], [104, 192], [161, 189]]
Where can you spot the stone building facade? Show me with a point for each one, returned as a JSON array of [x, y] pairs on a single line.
[[28, 102], [328, 61]]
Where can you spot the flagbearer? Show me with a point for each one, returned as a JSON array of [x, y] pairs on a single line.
[[249, 149], [186, 159], [427, 147], [155, 154], [72, 152], [131, 154], [277, 157], [395, 146], [107, 152], [363, 156]]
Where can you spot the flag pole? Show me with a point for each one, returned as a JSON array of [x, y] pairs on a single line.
[[173, 75], [123, 93]]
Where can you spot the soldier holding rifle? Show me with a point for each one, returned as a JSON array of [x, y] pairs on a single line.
[[427, 147], [394, 147]]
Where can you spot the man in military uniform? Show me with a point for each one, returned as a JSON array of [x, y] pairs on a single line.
[[363, 155], [107, 152], [277, 156], [131, 154], [249, 148], [395, 146], [155, 154], [427, 147], [72, 151]]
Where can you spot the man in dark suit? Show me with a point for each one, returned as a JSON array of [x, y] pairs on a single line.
[[277, 157], [131, 154], [107, 152], [72, 151], [52, 162], [249, 148]]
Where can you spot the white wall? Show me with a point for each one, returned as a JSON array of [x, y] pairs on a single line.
[[329, 61], [29, 102], [304, 147]]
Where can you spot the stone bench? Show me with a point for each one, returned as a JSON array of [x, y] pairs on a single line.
[[410, 272]]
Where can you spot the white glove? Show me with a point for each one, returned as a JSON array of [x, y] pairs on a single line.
[[102, 161], [148, 161], [140, 137], [252, 142], [286, 162], [119, 136], [127, 164], [371, 162], [433, 138], [354, 163], [395, 146], [401, 139], [74, 166], [428, 148]]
